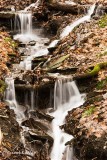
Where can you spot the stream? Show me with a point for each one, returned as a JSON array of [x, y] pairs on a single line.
[[66, 93]]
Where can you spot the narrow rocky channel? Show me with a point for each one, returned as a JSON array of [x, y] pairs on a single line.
[[66, 94], [46, 103]]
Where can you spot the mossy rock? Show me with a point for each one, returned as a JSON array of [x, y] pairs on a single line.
[[93, 72], [2, 88], [103, 21]]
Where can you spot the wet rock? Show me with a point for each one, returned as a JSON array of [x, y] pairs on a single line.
[[51, 49], [36, 124], [66, 7], [29, 77], [45, 152], [54, 63], [32, 43], [7, 15], [37, 135], [87, 124], [2, 89], [19, 81], [42, 115], [22, 45], [11, 133]]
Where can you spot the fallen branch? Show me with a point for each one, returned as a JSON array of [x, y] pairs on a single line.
[[70, 8]]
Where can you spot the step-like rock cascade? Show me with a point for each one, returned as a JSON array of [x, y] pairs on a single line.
[[66, 93], [66, 97], [27, 35]]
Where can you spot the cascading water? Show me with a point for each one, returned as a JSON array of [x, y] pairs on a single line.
[[19, 111], [66, 94], [26, 22], [26, 64], [69, 28], [66, 97], [10, 92]]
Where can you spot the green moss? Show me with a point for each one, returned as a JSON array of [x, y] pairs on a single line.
[[104, 53], [12, 42], [101, 84], [2, 86], [89, 111], [7, 39], [103, 21], [96, 69]]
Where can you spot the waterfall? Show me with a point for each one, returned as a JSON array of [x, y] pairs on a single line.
[[26, 22], [70, 27], [27, 35], [25, 27], [10, 92], [66, 97], [10, 97], [19, 111]]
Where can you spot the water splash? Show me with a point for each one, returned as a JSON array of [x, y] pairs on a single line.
[[66, 97]]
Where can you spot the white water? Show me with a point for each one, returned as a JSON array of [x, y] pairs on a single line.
[[66, 94], [10, 97], [27, 35], [10, 92], [19, 111], [25, 19], [66, 97], [70, 27], [35, 51]]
